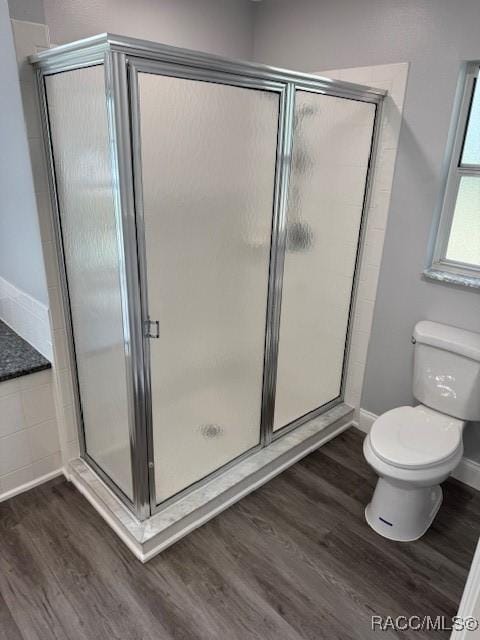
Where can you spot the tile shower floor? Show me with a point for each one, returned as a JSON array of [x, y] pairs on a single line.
[[293, 560]]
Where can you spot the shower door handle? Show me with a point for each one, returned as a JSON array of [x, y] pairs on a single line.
[[152, 329]]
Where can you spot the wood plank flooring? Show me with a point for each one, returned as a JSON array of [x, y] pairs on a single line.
[[294, 560]]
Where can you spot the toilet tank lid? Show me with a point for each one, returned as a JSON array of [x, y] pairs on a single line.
[[442, 336]]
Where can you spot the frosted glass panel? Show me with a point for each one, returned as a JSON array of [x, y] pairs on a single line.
[[78, 119], [464, 241], [208, 156], [332, 139], [471, 148]]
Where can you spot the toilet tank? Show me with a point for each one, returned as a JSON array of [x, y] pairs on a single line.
[[447, 369]]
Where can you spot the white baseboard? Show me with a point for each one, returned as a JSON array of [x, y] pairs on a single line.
[[468, 471], [366, 420], [29, 485]]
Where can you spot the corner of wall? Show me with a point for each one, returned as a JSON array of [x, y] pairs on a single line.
[[31, 11], [20, 247]]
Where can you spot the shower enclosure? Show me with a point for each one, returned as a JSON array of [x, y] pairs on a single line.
[[209, 216]]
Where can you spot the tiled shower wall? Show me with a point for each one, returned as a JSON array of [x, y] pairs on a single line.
[[30, 38], [393, 78]]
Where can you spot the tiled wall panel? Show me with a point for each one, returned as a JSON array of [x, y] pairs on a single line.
[[29, 443]]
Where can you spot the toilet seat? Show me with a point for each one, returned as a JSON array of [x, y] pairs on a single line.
[[415, 437]]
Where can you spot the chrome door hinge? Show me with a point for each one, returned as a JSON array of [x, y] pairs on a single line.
[[152, 328]]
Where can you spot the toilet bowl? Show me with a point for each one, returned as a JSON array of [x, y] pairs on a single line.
[[414, 449]]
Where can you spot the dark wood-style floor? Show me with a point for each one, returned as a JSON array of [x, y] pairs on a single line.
[[293, 560]]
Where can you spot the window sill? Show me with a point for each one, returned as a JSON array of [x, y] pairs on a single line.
[[448, 277]]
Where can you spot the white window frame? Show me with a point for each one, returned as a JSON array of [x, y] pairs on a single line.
[[440, 267]]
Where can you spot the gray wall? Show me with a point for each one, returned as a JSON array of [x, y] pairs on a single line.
[[21, 261], [435, 36], [29, 10], [217, 26]]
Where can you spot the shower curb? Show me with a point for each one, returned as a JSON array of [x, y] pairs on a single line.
[[148, 538]]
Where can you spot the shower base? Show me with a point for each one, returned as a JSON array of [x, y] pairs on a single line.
[[150, 537]]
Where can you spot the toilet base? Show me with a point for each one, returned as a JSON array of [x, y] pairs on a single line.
[[401, 512]]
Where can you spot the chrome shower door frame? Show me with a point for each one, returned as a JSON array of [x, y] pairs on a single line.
[[112, 63], [285, 114], [122, 57], [376, 129]]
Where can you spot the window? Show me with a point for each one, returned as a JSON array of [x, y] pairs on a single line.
[[457, 251]]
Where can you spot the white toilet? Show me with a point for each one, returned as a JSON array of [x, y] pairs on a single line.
[[414, 449]]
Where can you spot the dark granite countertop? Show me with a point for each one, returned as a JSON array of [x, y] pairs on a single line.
[[17, 357]]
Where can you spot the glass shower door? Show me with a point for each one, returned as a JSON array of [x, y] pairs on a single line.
[[208, 154], [93, 265], [332, 139]]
